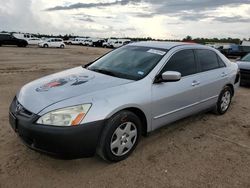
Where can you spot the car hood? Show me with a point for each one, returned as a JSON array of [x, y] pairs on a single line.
[[41, 93], [243, 64]]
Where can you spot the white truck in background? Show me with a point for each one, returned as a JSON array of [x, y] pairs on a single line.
[[108, 43], [31, 39], [120, 42], [78, 41]]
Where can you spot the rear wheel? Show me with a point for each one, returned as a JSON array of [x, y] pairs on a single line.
[[22, 44], [224, 100], [120, 136]]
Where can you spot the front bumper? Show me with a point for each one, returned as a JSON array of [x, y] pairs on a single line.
[[66, 142]]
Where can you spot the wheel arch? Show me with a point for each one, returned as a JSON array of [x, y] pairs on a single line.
[[231, 87], [140, 113]]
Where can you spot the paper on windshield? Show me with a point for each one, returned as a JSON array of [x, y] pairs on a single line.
[[158, 52]]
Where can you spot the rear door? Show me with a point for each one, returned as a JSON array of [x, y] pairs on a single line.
[[58, 42], [213, 76], [174, 100]]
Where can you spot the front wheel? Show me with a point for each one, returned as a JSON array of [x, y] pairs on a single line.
[[224, 100], [45, 45], [120, 136], [62, 46]]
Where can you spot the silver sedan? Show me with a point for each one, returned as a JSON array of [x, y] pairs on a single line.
[[105, 106]]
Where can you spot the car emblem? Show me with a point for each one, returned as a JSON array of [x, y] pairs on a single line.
[[18, 108]]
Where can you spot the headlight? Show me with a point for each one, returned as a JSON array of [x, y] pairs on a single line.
[[69, 116]]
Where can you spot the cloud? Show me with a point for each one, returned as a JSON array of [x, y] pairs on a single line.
[[185, 10], [189, 10], [145, 15], [92, 5], [86, 19], [174, 6], [135, 18], [232, 19]]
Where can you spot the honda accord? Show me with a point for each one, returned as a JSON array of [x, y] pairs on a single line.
[[105, 106]]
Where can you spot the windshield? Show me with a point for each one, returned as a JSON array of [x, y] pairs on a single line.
[[246, 58], [129, 62]]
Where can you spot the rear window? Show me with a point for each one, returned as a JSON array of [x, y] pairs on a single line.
[[221, 63], [208, 59]]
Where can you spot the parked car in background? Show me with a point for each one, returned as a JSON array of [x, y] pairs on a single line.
[[98, 43], [119, 43], [244, 66], [34, 41], [108, 43], [68, 41], [235, 49], [52, 42], [88, 42], [77, 41], [107, 105], [8, 39]]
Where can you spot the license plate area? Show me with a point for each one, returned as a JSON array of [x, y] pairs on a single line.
[[13, 121]]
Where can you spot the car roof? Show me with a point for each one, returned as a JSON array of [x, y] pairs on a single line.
[[162, 45]]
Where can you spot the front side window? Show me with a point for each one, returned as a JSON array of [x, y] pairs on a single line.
[[182, 62], [208, 59], [129, 62]]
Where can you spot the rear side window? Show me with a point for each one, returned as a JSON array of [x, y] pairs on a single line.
[[208, 60], [183, 62], [221, 63]]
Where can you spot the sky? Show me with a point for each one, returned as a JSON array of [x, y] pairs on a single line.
[[162, 19]]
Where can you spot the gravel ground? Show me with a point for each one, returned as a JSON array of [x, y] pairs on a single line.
[[204, 150]]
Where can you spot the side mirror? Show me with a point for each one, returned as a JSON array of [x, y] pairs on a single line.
[[168, 76]]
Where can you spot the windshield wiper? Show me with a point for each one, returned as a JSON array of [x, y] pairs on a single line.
[[103, 71]]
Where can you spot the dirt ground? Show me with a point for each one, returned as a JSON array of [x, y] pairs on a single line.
[[200, 151]]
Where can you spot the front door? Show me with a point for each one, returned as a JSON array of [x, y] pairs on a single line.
[[175, 100]]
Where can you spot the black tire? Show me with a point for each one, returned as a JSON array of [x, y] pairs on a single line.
[[45, 45], [220, 109], [21, 45], [112, 125], [62, 46]]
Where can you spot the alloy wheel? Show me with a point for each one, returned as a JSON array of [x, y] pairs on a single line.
[[123, 139]]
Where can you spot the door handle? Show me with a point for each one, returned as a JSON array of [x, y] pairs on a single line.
[[195, 83], [223, 74]]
